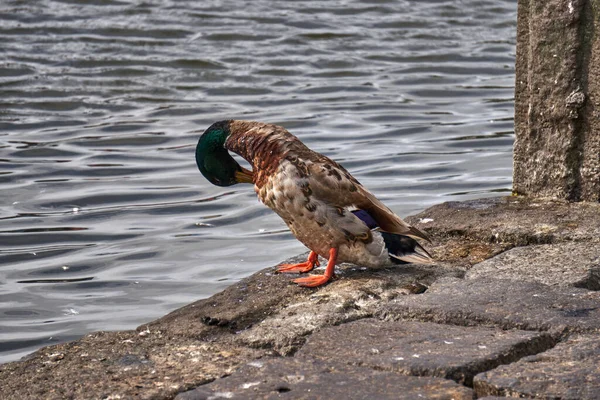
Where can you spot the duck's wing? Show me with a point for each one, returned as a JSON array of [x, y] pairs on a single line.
[[330, 182], [266, 145], [388, 221]]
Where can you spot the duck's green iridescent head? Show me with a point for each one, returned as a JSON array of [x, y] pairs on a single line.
[[215, 162]]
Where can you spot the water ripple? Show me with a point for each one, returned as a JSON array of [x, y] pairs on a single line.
[[104, 220]]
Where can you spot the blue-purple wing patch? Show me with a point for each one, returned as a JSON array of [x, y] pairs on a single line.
[[366, 218]]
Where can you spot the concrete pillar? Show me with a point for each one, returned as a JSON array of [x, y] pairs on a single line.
[[557, 100]]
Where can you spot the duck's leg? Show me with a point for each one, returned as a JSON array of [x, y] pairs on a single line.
[[308, 265], [318, 280]]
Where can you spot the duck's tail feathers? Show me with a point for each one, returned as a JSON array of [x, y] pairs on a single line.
[[404, 249]]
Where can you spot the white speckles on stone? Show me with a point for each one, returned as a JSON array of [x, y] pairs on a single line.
[[256, 364], [248, 385], [425, 220], [221, 395], [56, 356]]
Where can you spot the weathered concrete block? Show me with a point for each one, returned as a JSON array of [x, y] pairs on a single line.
[[557, 92], [423, 348], [292, 378], [266, 314], [121, 365], [569, 371], [563, 264], [502, 303], [514, 221], [358, 293]]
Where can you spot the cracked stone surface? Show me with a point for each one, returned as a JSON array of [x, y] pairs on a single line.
[[124, 364], [571, 370], [502, 303], [563, 264], [265, 316], [291, 378], [512, 221], [423, 348], [354, 297]]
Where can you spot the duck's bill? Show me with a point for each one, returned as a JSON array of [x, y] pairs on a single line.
[[244, 176]]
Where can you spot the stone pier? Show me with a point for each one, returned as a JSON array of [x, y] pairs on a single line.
[[557, 100], [511, 308]]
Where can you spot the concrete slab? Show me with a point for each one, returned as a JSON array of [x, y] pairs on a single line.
[[423, 348], [502, 303], [569, 371], [562, 264], [291, 378]]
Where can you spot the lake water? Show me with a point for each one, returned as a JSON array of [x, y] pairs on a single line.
[[105, 222]]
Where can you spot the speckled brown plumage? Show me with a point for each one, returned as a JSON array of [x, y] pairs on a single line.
[[265, 146], [317, 198]]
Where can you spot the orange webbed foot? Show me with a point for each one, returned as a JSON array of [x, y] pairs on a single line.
[[312, 280], [296, 268], [319, 280], [300, 268]]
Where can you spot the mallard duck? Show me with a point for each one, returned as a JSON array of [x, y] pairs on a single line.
[[324, 206]]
